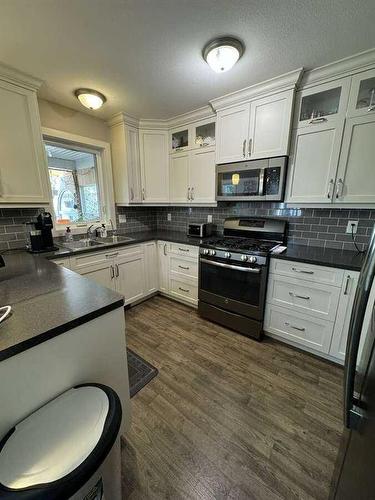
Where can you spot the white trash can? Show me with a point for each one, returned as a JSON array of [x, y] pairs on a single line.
[[67, 449]]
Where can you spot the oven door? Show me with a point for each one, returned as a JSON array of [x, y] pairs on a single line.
[[239, 288], [243, 181]]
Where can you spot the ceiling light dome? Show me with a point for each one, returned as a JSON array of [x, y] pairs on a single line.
[[90, 98], [222, 54]]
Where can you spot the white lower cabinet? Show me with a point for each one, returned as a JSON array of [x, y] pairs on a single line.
[[163, 266], [151, 267], [130, 274], [63, 262], [309, 306]]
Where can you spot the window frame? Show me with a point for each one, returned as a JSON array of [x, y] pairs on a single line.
[[104, 176]]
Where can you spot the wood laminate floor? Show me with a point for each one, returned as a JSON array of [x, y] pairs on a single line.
[[227, 417]]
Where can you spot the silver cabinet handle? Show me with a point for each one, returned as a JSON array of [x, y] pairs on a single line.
[[109, 255], [305, 297], [4, 311], [331, 186], [301, 271], [250, 145], [188, 194], [295, 327], [244, 148], [117, 271], [318, 120], [183, 290], [339, 188], [165, 249], [131, 194], [112, 272], [184, 249], [347, 285], [182, 267], [143, 194], [192, 194]]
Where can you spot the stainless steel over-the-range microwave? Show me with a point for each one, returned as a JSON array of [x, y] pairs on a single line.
[[252, 180]]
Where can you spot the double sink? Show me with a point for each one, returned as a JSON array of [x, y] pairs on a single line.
[[88, 243]]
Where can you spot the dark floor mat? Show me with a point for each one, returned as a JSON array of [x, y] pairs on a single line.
[[140, 372]]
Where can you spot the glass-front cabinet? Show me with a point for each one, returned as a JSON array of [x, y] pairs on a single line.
[[362, 94], [204, 134], [179, 140], [319, 105], [193, 136]]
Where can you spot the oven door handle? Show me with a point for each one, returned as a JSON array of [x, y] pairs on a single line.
[[231, 266]]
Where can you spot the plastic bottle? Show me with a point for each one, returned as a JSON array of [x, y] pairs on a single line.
[[68, 234]]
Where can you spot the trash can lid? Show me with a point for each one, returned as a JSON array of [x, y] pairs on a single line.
[[54, 440]]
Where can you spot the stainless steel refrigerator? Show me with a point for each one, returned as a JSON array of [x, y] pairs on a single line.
[[354, 476]]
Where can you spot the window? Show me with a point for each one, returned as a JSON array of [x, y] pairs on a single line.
[[73, 173]]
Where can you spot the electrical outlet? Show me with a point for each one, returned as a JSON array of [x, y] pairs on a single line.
[[169, 217], [209, 218], [122, 218], [352, 224]]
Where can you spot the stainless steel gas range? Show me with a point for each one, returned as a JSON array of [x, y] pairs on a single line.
[[233, 271]]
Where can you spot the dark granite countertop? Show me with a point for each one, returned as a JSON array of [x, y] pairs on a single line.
[[46, 300], [343, 259]]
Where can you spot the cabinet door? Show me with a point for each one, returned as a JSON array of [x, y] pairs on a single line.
[[163, 266], [130, 277], [356, 173], [134, 169], [340, 332], [314, 161], [154, 166], [362, 94], [23, 171], [179, 140], [232, 133], [179, 177], [102, 274], [321, 104], [270, 119], [151, 267], [202, 178]]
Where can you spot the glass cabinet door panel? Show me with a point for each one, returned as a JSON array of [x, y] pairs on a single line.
[[205, 134], [320, 104], [180, 139], [366, 94]]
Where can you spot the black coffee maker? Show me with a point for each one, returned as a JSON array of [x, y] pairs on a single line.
[[40, 234]]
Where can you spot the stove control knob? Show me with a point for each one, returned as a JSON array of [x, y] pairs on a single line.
[[205, 251], [253, 259], [212, 253], [227, 255], [244, 258]]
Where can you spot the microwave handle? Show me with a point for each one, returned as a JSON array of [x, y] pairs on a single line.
[[261, 181]]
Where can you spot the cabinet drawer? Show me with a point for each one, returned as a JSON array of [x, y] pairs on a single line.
[[128, 251], [184, 290], [308, 272], [62, 262], [184, 266], [187, 250], [307, 297], [89, 259], [299, 329]]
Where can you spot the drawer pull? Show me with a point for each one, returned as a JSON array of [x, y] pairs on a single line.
[[182, 267], [183, 290], [108, 255], [305, 297], [295, 327], [301, 271], [347, 285], [183, 249]]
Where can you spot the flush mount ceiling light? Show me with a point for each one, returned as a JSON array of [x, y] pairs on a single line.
[[222, 54], [90, 98]]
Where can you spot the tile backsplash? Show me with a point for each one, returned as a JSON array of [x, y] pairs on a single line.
[[323, 227]]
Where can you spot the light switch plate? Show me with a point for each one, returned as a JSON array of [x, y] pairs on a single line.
[[122, 218], [169, 217], [351, 223], [209, 218]]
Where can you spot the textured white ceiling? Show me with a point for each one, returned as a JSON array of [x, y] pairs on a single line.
[[145, 55]]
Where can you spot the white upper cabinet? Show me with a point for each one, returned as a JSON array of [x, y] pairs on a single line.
[[232, 133], [23, 171], [154, 166], [313, 163], [179, 178], [202, 178], [270, 120], [356, 173], [362, 94], [179, 140]]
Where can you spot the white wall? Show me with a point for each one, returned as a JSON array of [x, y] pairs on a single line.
[[59, 117]]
